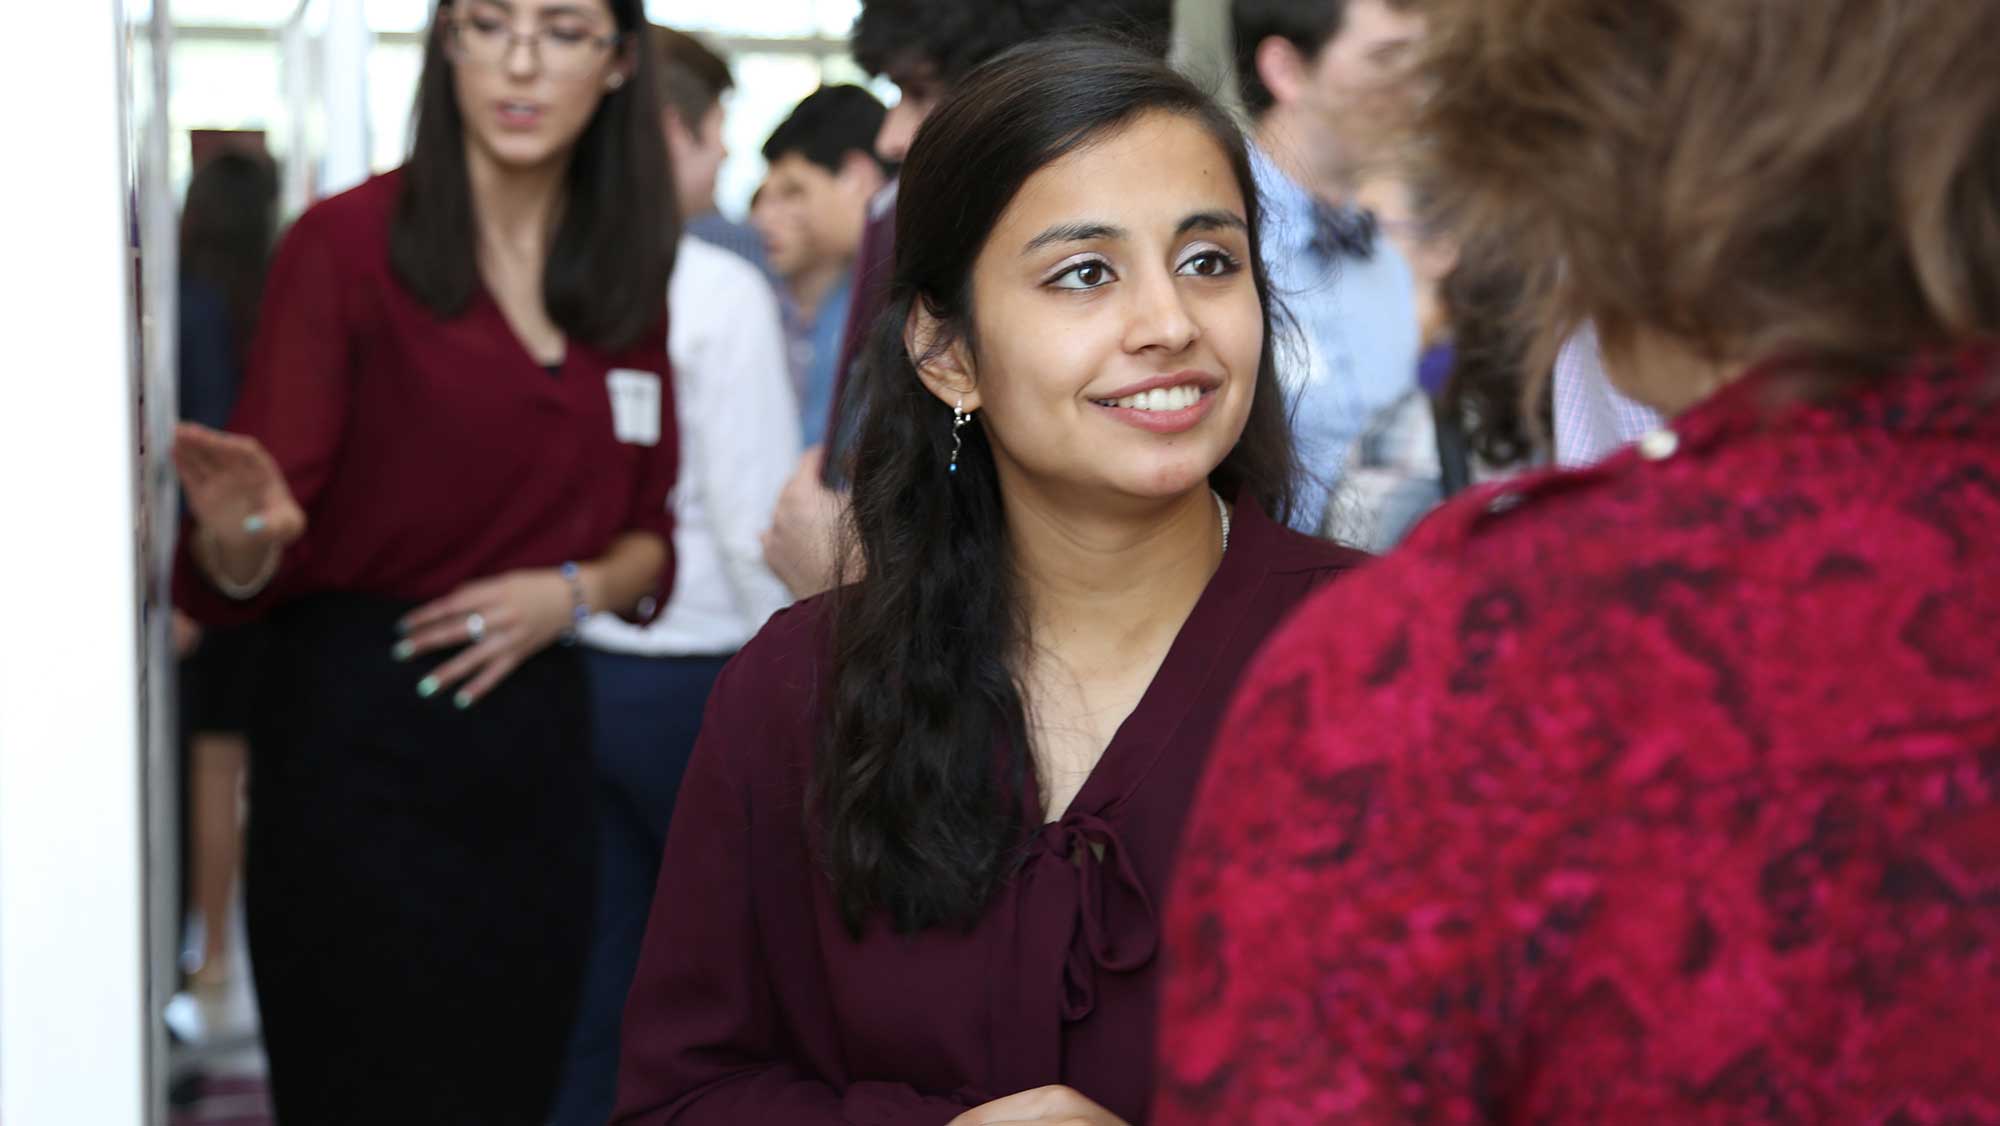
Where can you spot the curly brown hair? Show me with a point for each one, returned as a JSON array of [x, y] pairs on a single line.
[[1751, 179]]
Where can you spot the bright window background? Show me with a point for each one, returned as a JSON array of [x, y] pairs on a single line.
[[230, 73]]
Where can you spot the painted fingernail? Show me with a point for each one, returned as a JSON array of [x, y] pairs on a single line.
[[253, 524], [428, 687], [462, 701], [404, 650], [403, 627]]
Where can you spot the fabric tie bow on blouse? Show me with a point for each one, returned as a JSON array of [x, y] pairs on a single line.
[[1077, 879]]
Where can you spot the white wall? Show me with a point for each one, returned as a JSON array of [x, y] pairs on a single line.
[[73, 1013]]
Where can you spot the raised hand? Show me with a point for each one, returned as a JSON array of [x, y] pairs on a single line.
[[235, 488], [244, 512], [805, 529]]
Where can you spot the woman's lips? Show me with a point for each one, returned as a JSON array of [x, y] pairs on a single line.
[[1163, 417], [519, 115]]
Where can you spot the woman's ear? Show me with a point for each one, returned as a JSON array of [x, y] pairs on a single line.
[[945, 365], [623, 66]]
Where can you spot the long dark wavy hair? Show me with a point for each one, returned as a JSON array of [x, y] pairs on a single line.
[[919, 786], [605, 282]]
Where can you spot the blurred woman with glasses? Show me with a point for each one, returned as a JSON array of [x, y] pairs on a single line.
[[455, 442]]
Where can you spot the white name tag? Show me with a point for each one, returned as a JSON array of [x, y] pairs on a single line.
[[635, 406]]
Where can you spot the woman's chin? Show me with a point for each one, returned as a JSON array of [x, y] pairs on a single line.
[[1173, 477], [523, 153], [1169, 482]]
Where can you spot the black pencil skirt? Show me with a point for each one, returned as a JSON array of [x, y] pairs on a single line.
[[418, 879]]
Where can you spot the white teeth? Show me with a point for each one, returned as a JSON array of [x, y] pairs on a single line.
[[1161, 399]]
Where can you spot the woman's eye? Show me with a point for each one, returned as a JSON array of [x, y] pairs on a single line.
[[568, 35], [1209, 264], [1083, 275], [486, 24]]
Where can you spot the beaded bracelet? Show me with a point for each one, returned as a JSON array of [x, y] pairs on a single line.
[[208, 549], [579, 603]]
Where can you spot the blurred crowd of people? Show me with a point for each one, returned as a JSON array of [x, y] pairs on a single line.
[[1465, 591]]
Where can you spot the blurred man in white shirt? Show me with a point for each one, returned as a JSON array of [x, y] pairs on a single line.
[[739, 437], [692, 81]]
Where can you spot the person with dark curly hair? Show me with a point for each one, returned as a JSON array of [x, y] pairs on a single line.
[[925, 47]]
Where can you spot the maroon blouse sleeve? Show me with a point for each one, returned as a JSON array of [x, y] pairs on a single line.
[[704, 1039], [649, 511], [294, 400]]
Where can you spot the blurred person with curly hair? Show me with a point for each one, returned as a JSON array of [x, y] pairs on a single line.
[[1663, 790]]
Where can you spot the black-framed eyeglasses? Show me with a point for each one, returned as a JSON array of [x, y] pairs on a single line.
[[562, 52]]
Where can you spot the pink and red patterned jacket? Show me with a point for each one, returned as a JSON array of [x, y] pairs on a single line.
[[1665, 791]]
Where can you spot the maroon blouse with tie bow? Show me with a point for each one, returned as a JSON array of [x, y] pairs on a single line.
[[753, 1004]]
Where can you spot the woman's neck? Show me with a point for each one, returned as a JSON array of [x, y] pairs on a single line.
[[515, 208], [1654, 369], [1107, 579]]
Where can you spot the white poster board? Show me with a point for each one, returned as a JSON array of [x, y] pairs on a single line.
[[76, 1019]]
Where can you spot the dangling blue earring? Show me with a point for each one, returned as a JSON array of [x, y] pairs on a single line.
[[959, 417]]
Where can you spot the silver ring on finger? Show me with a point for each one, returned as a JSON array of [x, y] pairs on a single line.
[[475, 627]]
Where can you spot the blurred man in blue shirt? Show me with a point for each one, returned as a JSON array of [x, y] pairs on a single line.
[[811, 211], [1321, 79]]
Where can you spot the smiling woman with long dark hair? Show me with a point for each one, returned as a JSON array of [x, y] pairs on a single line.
[[454, 443], [914, 869]]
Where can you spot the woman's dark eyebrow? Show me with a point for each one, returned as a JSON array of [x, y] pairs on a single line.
[[1073, 232], [1212, 221], [1094, 232], [553, 11]]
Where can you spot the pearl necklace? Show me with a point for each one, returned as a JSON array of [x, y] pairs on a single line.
[[1222, 510]]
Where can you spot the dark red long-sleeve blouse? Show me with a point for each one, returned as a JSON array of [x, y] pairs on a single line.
[[1663, 792], [752, 1005], [427, 452]]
